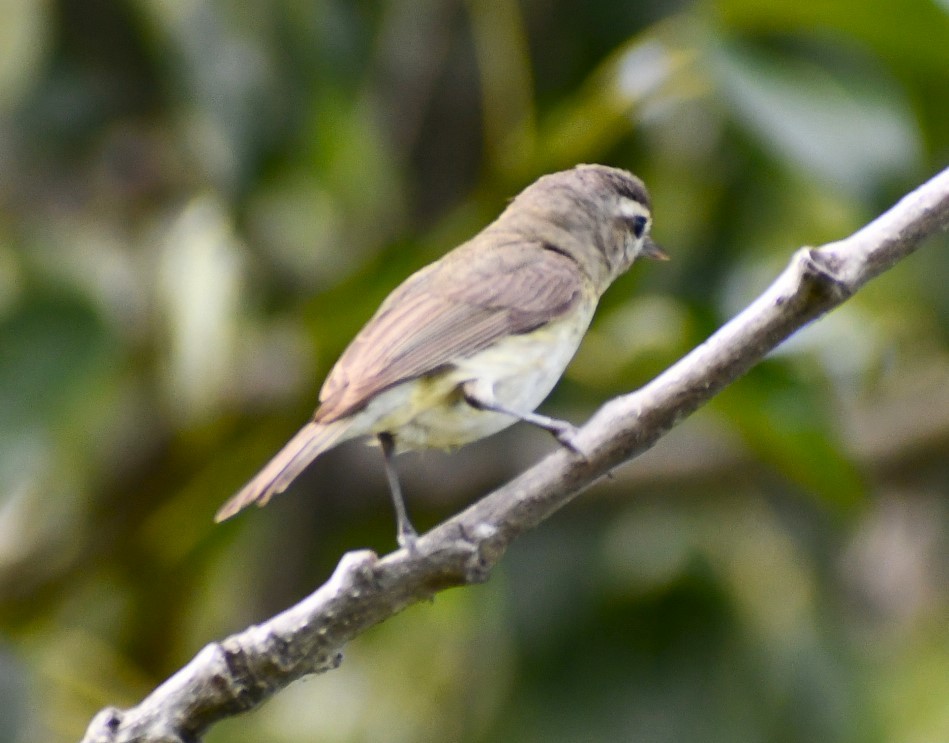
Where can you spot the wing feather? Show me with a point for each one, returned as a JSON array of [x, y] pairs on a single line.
[[447, 311]]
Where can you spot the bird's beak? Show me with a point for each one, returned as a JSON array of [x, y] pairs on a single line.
[[651, 250]]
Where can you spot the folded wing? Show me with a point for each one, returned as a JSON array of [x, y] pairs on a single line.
[[447, 311]]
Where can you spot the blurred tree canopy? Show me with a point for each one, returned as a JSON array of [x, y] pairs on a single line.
[[202, 201]]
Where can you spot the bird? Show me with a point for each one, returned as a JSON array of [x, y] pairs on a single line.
[[476, 340]]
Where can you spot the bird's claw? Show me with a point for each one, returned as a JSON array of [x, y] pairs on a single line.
[[567, 435]]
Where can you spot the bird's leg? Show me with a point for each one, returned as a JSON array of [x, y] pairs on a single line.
[[563, 431], [406, 534]]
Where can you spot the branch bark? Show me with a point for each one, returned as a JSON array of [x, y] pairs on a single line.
[[240, 672]]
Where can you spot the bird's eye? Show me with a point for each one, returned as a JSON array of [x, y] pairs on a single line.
[[637, 224]]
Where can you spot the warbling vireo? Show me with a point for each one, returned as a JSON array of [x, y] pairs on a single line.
[[476, 340]]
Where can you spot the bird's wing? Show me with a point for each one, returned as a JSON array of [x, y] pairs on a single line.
[[450, 310]]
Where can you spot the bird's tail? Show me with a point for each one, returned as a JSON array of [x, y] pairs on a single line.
[[309, 442]]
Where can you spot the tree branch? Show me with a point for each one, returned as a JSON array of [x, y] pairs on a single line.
[[242, 671]]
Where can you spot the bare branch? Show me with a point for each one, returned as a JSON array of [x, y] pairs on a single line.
[[247, 668]]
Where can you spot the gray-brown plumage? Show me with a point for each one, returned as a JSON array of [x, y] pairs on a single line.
[[476, 340], [449, 310]]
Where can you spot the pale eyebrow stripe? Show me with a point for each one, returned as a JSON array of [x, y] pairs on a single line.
[[632, 208]]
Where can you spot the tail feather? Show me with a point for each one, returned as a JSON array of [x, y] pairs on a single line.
[[309, 442]]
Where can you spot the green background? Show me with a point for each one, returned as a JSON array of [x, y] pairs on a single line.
[[200, 204]]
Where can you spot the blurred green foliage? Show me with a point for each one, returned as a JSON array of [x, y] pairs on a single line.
[[201, 202]]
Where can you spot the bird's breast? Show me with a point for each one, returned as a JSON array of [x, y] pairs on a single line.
[[519, 371]]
